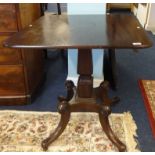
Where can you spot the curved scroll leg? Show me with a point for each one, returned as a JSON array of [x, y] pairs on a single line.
[[70, 91], [103, 116], [103, 94], [65, 116], [105, 111], [64, 110]]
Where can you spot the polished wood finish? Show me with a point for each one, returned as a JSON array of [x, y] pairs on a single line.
[[16, 81], [34, 70], [8, 19], [21, 71], [65, 117], [85, 82], [65, 108], [7, 55], [83, 32], [110, 68], [82, 101], [119, 6], [112, 61], [29, 13], [114, 31]]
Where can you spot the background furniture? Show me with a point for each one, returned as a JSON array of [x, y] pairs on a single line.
[[145, 13], [55, 8], [43, 7], [119, 6], [21, 71]]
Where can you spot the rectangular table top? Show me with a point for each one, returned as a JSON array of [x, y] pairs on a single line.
[[82, 31]]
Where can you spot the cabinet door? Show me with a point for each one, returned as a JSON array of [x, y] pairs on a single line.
[[7, 55], [11, 80], [29, 12], [8, 19]]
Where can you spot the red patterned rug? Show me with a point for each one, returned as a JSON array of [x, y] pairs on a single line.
[[148, 91]]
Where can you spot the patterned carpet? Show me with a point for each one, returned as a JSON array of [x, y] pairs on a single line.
[[24, 131], [148, 92]]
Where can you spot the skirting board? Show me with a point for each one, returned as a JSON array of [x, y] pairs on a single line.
[[150, 28]]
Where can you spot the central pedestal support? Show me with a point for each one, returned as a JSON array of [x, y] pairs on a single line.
[[85, 70], [85, 90]]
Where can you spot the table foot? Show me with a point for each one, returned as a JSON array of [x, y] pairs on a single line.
[[103, 117], [105, 111], [65, 116], [63, 109]]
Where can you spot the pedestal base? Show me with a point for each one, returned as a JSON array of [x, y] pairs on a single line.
[[103, 109], [85, 86]]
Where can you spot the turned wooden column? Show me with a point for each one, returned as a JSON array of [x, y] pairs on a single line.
[[85, 70]]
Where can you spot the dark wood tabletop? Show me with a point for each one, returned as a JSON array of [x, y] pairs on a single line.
[[82, 31]]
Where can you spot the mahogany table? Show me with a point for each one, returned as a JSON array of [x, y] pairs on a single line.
[[84, 32]]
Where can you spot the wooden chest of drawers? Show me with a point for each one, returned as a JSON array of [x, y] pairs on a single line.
[[21, 71]]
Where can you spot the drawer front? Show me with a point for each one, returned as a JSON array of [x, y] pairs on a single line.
[[11, 80], [8, 19], [7, 55]]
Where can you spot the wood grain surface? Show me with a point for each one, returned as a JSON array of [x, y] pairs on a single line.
[[82, 31]]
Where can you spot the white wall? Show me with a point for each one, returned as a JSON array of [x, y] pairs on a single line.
[[146, 16], [86, 8], [151, 18], [142, 13]]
